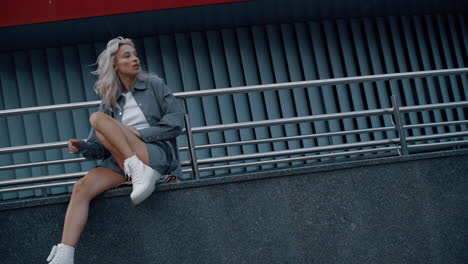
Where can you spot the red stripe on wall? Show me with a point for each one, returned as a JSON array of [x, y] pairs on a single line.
[[22, 12]]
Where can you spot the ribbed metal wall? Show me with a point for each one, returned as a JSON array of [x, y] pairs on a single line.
[[241, 56]]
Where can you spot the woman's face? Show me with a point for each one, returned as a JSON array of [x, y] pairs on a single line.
[[126, 61]]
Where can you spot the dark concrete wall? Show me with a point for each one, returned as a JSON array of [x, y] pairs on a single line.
[[392, 210]]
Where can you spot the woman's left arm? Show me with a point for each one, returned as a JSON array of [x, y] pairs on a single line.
[[172, 121]]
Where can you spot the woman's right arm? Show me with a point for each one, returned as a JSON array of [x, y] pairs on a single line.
[[92, 148]]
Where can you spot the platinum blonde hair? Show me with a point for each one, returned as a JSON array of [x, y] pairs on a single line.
[[108, 82]]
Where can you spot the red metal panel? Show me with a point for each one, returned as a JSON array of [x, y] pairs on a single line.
[[21, 12]]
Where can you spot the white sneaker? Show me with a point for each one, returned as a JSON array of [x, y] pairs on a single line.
[[143, 178], [61, 254]]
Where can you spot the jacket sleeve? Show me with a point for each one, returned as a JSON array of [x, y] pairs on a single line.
[[172, 122], [91, 148]]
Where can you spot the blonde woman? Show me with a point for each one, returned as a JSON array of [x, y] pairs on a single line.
[[133, 133]]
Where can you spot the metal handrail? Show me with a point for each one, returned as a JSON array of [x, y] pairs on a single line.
[[256, 88], [436, 124], [255, 123], [270, 122], [328, 155], [42, 178], [41, 163], [32, 147], [302, 158], [417, 108], [259, 163], [252, 88], [39, 186], [298, 151], [48, 108], [291, 138], [437, 136], [282, 121], [439, 144], [318, 149], [187, 163], [267, 155], [49, 178], [322, 82], [219, 145], [43, 146], [398, 123]]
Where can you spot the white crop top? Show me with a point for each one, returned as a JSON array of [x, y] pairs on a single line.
[[132, 114]]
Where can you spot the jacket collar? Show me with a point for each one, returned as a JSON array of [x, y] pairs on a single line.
[[139, 85]]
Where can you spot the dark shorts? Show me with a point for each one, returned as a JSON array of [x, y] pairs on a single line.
[[160, 158]]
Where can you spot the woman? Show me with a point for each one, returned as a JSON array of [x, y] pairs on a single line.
[[133, 132]]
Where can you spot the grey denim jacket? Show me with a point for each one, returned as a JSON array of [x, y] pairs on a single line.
[[163, 112]]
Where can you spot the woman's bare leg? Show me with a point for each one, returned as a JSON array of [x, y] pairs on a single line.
[[94, 183], [100, 179], [118, 139]]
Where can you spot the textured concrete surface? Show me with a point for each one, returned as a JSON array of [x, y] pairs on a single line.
[[391, 210]]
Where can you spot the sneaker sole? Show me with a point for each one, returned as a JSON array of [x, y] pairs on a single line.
[[146, 194]]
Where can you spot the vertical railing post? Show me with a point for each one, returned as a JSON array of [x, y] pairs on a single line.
[[190, 142], [399, 125]]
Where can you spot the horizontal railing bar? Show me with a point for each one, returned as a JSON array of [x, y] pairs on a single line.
[[409, 139], [437, 136], [269, 140], [43, 146], [417, 108], [439, 144], [251, 88], [320, 156], [224, 127], [53, 178], [41, 163], [48, 108], [334, 81], [260, 141], [311, 118], [287, 120], [258, 163], [297, 151], [185, 163], [436, 124], [33, 147], [362, 144], [42, 178], [454, 143], [39, 186], [64, 143]]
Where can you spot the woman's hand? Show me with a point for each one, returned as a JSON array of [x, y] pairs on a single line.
[[73, 145], [135, 131]]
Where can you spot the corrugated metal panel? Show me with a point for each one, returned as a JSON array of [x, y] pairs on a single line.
[[236, 77], [217, 61], [201, 18], [241, 56]]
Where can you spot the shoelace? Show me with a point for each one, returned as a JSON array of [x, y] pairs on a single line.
[[133, 173], [53, 252]]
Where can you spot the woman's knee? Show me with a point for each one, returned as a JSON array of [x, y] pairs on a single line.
[[95, 117], [81, 189]]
